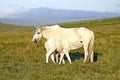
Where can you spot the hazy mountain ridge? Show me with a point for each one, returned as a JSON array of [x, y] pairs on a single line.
[[61, 13], [52, 16]]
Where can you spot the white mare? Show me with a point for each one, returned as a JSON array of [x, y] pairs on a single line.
[[74, 35], [62, 46]]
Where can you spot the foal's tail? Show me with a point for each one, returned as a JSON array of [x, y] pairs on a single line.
[[91, 46]]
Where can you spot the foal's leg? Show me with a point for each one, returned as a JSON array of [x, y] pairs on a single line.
[[52, 57], [66, 52], [48, 54], [61, 57], [56, 56]]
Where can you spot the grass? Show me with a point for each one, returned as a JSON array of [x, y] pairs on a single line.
[[21, 60]]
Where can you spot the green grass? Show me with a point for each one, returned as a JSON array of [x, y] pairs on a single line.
[[21, 60]]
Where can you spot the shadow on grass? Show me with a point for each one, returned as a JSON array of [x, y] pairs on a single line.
[[77, 55]]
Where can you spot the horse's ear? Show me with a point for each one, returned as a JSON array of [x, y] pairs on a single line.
[[39, 27], [34, 28], [42, 28]]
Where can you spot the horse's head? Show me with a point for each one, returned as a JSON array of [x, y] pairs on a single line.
[[37, 35]]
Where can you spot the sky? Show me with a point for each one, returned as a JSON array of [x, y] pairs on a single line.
[[9, 7]]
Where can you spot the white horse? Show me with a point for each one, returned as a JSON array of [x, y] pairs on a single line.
[[62, 46], [74, 35]]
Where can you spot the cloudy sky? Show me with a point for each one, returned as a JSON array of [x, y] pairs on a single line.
[[9, 7]]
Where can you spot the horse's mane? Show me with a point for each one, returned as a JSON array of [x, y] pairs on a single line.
[[46, 27], [53, 26]]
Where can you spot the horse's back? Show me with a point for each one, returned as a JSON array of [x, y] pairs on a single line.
[[84, 32], [71, 34], [61, 33]]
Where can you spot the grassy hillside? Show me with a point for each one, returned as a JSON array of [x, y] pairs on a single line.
[[21, 60]]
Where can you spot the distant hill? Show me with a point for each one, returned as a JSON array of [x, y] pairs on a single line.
[[52, 16], [62, 13]]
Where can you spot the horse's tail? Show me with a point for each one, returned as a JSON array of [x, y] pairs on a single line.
[[90, 47]]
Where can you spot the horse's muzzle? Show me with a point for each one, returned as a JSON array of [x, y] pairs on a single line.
[[35, 42]]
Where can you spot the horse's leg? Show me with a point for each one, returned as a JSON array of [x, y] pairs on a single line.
[[52, 57], [57, 57], [86, 53], [63, 61], [91, 57], [88, 57], [61, 57], [91, 50]]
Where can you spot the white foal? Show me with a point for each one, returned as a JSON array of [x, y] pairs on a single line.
[[62, 46]]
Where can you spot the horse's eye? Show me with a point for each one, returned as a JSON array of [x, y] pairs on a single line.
[[38, 32]]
